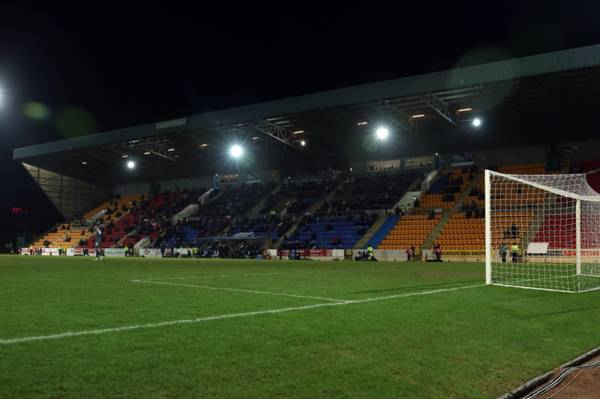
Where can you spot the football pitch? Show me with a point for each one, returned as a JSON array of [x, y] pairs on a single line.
[[124, 328]]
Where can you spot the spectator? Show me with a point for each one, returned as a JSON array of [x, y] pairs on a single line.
[[514, 230]]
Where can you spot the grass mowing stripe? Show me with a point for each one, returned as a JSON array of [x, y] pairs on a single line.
[[207, 287], [69, 334]]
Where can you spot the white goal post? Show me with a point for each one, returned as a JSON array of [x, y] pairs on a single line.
[[542, 232]]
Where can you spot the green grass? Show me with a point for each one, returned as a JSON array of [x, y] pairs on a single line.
[[470, 343]]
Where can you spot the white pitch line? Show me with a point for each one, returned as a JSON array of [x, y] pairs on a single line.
[[213, 276], [69, 334], [208, 287]]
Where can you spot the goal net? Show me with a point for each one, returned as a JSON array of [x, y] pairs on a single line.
[[542, 232]]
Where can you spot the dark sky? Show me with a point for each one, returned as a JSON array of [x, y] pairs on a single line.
[[121, 65]]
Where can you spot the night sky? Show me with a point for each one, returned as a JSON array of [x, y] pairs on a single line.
[[116, 66]]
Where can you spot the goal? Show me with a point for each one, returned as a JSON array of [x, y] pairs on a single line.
[[542, 232]]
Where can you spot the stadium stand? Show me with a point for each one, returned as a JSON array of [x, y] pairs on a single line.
[[339, 222], [443, 192], [384, 229], [214, 217], [151, 217], [64, 236], [342, 221], [78, 232], [378, 192], [330, 231], [462, 234], [410, 231], [295, 196], [523, 169], [264, 225], [117, 219]]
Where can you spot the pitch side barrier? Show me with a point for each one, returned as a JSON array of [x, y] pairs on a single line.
[[308, 254]]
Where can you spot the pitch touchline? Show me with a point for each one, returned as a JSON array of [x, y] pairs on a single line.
[[69, 334]]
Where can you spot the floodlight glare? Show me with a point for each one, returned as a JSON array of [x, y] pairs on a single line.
[[476, 122], [302, 143], [236, 151], [130, 164], [382, 133]]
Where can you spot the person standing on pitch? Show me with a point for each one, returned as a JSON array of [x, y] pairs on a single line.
[[99, 254], [515, 252], [371, 254], [503, 252]]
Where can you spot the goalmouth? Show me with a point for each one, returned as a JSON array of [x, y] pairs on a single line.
[[542, 232]]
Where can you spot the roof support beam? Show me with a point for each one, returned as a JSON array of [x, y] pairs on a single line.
[[160, 151], [272, 130], [440, 106], [397, 116]]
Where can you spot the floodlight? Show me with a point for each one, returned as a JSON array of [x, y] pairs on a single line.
[[236, 151], [302, 143], [130, 164], [382, 133], [476, 122]]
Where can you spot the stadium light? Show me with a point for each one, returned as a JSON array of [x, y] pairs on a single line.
[[236, 151], [382, 133], [476, 122], [130, 164]]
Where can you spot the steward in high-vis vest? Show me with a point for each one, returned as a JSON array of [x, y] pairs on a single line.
[[515, 251], [371, 254]]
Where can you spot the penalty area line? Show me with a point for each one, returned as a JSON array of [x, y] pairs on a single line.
[[70, 334], [198, 276], [245, 291]]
